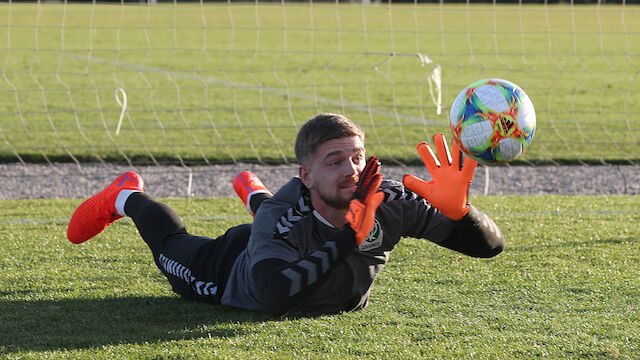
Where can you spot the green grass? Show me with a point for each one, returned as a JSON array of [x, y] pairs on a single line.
[[566, 287], [215, 83]]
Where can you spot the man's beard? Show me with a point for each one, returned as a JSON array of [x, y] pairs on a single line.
[[334, 200]]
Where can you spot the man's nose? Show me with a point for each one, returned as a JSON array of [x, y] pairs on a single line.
[[352, 168]]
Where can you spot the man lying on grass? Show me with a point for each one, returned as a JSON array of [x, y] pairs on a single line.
[[318, 244]]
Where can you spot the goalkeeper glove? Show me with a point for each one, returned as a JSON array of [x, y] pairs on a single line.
[[365, 201], [449, 189]]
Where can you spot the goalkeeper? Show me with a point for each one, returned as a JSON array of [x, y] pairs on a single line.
[[318, 244]]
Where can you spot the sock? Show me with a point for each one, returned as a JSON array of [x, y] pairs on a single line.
[[121, 200], [255, 199]]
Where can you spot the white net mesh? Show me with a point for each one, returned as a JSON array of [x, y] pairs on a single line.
[[228, 82]]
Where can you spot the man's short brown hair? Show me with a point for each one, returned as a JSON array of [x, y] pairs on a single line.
[[322, 128]]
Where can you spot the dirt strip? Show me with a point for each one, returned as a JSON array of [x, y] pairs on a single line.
[[38, 181]]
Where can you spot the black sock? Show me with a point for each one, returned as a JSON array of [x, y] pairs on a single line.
[[257, 199], [155, 221]]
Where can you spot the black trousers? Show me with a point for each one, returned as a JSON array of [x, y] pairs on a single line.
[[197, 267]]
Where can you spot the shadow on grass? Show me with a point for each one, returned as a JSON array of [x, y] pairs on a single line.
[[87, 323]]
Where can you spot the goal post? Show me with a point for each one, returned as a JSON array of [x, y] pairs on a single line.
[[227, 82]]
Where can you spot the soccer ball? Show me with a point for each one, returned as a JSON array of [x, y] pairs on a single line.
[[492, 121]]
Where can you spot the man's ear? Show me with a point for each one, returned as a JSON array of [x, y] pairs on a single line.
[[305, 175]]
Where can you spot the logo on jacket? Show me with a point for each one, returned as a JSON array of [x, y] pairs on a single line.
[[374, 239]]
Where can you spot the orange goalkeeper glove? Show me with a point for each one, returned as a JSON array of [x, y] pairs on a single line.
[[365, 201], [449, 189]]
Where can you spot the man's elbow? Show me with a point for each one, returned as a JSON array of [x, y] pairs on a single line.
[[489, 240], [493, 248], [273, 306]]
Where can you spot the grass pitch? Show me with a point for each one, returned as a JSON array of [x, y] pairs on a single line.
[[566, 287], [224, 84], [234, 82]]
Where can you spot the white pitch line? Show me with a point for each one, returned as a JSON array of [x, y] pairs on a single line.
[[273, 90], [31, 221]]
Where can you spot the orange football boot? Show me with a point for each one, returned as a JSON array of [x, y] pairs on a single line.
[[99, 211]]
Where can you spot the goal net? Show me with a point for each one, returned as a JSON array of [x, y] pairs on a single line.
[[188, 83]]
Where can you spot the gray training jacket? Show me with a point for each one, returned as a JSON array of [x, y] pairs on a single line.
[[314, 269]]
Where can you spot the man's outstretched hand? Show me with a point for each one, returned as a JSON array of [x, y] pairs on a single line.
[[449, 189], [365, 200]]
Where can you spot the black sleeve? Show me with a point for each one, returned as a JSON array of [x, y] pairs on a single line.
[[475, 235], [281, 285]]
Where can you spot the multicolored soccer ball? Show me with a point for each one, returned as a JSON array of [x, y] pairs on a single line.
[[493, 121]]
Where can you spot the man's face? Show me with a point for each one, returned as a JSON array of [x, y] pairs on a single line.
[[332, 172]]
